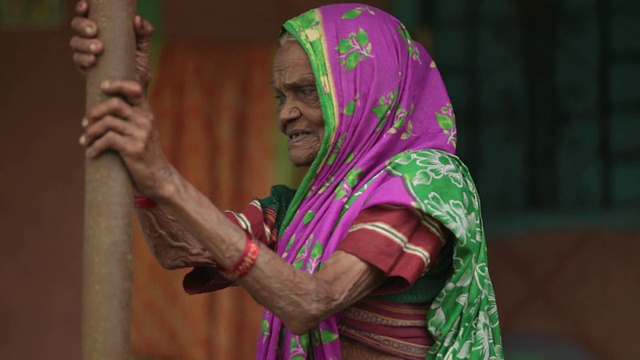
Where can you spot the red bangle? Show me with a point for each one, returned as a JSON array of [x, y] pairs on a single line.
[[141, 202], [245, 263]]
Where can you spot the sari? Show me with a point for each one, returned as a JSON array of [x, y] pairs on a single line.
[[390, 139]]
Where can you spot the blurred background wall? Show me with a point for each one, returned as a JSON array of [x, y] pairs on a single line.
[[548, 111]]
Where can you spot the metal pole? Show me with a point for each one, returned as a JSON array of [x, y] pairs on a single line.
[[106, 309]]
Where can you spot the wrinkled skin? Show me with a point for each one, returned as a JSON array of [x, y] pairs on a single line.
[[128, 127], [185, 217], [299, 112], [87, 48], [124, 123]]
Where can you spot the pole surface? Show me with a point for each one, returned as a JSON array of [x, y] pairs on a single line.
[[106, 298]]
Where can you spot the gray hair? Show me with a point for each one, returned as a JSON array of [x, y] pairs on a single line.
[[285, 36]]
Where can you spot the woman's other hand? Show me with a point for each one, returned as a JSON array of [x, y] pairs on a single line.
[[124, 123], [87, 47]]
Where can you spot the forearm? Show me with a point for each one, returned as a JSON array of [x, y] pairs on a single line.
[[169, 242], [197, 216], [302, 300], [299, 299]]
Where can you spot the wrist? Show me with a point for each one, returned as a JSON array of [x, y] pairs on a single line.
[[141, 202], [160, 184], [168, 186], [245, 263]]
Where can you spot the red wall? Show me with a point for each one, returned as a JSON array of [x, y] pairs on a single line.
[[41, 189]]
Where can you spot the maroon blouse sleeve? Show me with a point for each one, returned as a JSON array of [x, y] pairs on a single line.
[[398, 241]]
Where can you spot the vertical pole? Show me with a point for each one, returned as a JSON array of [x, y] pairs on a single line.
[[107, 234]]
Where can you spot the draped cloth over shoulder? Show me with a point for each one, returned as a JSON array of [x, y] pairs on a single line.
[[390, 140]]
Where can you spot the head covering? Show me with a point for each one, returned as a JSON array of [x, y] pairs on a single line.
[[390, 139]]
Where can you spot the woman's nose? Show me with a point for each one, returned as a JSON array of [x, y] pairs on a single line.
[[288, 112]]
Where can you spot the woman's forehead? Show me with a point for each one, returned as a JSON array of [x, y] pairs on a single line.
[[291, 59]]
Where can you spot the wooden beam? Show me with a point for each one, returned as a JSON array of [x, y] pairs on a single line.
[[106, 303]]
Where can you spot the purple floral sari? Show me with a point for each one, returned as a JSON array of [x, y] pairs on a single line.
[[390, 139]]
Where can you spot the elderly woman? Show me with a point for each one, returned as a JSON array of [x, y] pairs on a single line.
[[380, 252]]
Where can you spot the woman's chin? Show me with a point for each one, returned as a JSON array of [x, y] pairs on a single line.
[[302, 154], [301, 158], [300, 162]]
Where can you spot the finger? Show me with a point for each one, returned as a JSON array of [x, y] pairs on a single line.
[[114, 106], [137, 24], [110, 124], [84, 27], [117, 107], [144, 28], [131, 90], [82, 8], [84, 61], [84, 45], [114, 141]]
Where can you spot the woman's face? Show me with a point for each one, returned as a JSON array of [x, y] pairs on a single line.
[[299, 113]]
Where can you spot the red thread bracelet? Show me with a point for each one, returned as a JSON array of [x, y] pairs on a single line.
[[245, 263], [141, 202]]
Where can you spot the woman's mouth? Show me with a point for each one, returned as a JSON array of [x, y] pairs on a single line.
[[297, 135]]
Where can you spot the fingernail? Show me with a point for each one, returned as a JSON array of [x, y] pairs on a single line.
[[105, 84], [85, 122], [82, 140], [92, 47], [87, 30]]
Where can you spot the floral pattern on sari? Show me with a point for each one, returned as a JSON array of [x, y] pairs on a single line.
[[390, 139]]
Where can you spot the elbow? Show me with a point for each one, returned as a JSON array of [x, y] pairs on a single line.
[[303, 323], [163, 261], [166, 262], [311, 312], [167, 265]]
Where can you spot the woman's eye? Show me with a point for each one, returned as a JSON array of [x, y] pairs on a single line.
[[279, 98], [307, 91]]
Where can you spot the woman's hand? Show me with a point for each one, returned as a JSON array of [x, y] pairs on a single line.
[[87, 48], [124, 123]]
